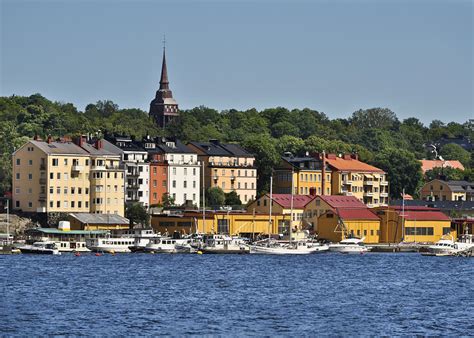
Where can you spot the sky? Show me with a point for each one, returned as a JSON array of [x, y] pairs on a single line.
[[414, 57]]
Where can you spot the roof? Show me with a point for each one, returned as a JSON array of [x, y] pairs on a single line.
[[102, 151], [125, 144], [358, 213], [100, 218], [215, 148], [179, 147], [425, 216], [59, 148], [431, 164], [55, 231], [342, 164], [412, 207], [339, 201], [299, 201], [305, 162], [461, 186]]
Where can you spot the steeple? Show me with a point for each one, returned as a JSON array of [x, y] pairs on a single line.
[[164, 83]]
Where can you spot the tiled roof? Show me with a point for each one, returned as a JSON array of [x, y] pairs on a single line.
[[339, 201], [425, 216], [347, 214], [431, 164], [413, 208], [342, 164], [69, 148], [299, 201]]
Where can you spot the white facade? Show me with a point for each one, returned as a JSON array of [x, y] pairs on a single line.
[[184, 172], [137, 177]]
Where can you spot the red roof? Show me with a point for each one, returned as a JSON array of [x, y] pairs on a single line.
[[338, 201], [412, 207], [299, 201], [348, 214], [425, 216], [342, 164], [431, 164]]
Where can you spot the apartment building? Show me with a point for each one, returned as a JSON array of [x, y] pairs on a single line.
[[137, 168], [183, 171], [229, 167], [352, 177], [439, 190], [57, 177], [307, 173]]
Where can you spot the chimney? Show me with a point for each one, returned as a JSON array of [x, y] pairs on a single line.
[[99, 144], [347, 157], [323, 175], [215, 142], [37, 138], [50, 139], [355, 156]]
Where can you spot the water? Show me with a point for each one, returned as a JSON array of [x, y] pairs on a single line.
[[138, 294]]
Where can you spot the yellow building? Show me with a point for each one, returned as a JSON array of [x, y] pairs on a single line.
[[309, 177], [56, 177], [93, 222], [340, 217], [352, 177], [229, 167], [438, 190], [414, 224], [232, 222]]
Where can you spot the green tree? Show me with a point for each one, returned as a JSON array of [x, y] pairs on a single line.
[[448, 173], [378, 118], [402, 168], [137, 214], [231, 198], [293, 144], [215, 197], [452, 151], [167, 200]]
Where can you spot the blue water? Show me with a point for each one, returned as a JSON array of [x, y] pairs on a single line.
[[138, 294]]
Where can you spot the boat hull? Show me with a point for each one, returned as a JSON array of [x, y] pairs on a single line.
[[39, 252]]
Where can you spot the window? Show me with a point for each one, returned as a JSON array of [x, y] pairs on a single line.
[[58, 176], [65, 161], [30, 177], [79, 204], [51, 204], [185, 184], [73, 204], [17, 176], [17, 190], [66, 176], [194, 197], [51, 176], [174, 184], [73, 190], [58, 204], [51, 190], [223, 226], [185, 197], [194, 171], [446, 231], [174, 171], [154, 183], [17, 204], [55, 162], [65, 191], [164, 183], [185, 171], [18, 161], [58, 190]]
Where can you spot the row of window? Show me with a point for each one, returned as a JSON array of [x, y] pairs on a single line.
[[419, 231], [239, 186], [232, 173]]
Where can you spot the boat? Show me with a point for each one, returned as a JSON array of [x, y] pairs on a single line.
[[40, 248], [349, 246], [142, 237], [450, 247], [224, 244], [168, 245], [274, 247], [110, 244]]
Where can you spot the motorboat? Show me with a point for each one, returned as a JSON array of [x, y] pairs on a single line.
[[272, 247], [349, 246], [142, 237], [224, 244], [40, 248], [110, 244], [449, 247], [168, 245]]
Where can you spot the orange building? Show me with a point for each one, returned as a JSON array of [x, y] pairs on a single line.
[[158, 176]]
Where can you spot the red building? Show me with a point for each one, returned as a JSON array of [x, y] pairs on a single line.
[[158, 176]]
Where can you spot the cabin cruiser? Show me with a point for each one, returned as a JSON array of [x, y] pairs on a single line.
[[40, 248], [273, 247], [110, 244], [449, 247], [142, 237], [224, 244], [168, 245], [349, 245]]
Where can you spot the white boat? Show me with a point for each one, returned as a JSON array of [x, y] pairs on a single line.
[[449, 247], [224, 244], [168, 245], [142, 237], [273, 247], [349, 246], [40, 248], [110, 244]]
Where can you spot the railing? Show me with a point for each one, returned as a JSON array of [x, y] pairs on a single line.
[[98, 167], [369, 182], [383, 194], [42, 196], [76, 167], [43, 180], [368, 193], [348, 182], [42, 166], [383, 183]]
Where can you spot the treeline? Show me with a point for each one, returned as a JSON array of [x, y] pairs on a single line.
[[376, 134]]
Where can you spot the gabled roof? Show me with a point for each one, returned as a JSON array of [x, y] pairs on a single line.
[[431, 164], [59, 148], [340, 201], [424, 216], [306, 162], [179, 148], [215, 148], [354, 214], [299, 201], [342, 164], [94, 151], [99, 218]]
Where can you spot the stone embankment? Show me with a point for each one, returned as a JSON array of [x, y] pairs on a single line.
[[17, 224]]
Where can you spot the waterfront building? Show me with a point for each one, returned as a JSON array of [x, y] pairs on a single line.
[[164, 108], [183, 171], [308, 174], [439, 190], [247, 224], [340, 217], [92, 222], [413, 224], [137, 168], [427, 165], [282, 205], [229, 167], [351, 177]]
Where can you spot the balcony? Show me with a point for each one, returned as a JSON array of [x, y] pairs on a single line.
[[383, 183], [383, 194], [368, 194], [369, 182], [42, 197], [43, 180], [41, 209], [42, 166], [133, 186], [98, 168], [347, 193], [133, 174], [77, 168], [347, 182]]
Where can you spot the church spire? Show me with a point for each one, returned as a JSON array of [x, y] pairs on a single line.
[[164, 83]]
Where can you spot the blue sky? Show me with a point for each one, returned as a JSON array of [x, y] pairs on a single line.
[[414, 57]]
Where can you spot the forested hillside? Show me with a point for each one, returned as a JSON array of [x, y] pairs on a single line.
[[377, 135]]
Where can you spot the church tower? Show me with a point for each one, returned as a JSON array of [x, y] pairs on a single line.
[[163, 108]]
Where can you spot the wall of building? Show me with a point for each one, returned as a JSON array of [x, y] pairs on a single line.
[[184, 172], [158, 181], [329, 229]]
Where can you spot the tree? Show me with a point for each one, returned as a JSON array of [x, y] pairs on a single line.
[[167, 200], [402, 168], [215, 197], [447, 173], [137, 214], [231, 198], [379, 118], [293, 144], [452, 151]]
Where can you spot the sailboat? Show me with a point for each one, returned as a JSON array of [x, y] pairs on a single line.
[[296, 247]]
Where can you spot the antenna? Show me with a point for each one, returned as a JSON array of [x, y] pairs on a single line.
[[164, 41]]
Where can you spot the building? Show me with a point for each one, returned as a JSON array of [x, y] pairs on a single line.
[[413, 224], [164, 108], [282, 205], [54, 177], [339, 217], [247, 224], [229, 167], [94, 222], [352, 177], [307, 175], [137, 168], [438, 190], [427, 165], [182, 179]]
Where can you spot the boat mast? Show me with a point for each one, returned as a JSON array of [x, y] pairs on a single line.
[[270, 213], [403, 215], [203, 201], [291, 203]]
